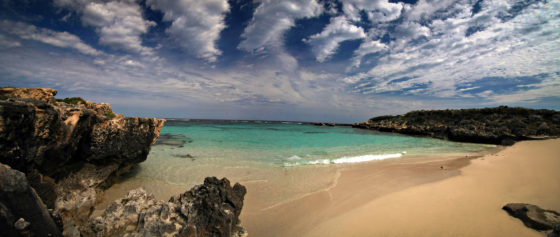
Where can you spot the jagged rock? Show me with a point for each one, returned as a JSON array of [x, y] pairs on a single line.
[[41, 94], [70, 153], [501, 125], [533, 216], [555, 232], [210, 209], [21, 209]]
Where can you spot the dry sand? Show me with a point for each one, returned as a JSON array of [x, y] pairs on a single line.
[[465, 205], [421, 199]]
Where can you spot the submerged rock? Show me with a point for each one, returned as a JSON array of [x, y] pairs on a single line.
[[533, 216], [173, 140], [210, 209]]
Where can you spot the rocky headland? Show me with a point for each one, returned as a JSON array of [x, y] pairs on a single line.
[[58, 156], [501, 125]]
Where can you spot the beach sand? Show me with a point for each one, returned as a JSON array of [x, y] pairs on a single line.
[[421, 199]]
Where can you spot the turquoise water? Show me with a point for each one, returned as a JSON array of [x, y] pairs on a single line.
[[291, 144], [277, 161]]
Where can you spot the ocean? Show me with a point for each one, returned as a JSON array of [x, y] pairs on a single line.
[[278, 161]]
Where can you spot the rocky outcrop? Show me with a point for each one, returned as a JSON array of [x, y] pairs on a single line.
[[210, 209], [533, 216], [41, 94], [501, 125], [70, 153], [21, 210]]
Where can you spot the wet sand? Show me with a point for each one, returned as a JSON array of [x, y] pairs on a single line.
[[468, 204], [353, 187], [415, 196]]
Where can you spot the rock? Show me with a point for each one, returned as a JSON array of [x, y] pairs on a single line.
[[41, 94], [173, 140], [21, 208], [70, 152], [501, 125], [210, 209], [21, 224], [533, 216], [555, 232]]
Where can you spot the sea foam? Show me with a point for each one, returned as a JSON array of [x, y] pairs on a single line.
[[343, 160]]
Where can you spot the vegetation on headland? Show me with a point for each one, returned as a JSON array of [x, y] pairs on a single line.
[[500, 125], [72, 100]]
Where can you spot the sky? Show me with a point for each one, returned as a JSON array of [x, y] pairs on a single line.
[[295, 60]]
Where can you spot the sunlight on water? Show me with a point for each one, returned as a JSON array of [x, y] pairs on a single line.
[[281, 161]]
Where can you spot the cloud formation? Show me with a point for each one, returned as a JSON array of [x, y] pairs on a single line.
[[286, 59], [458, 47], [195, 25], [272, 18], [54, 38], [338, 30], [119, 24]]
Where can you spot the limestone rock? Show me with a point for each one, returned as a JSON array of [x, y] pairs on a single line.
[[210, 209], [502, 125], [533, 216], [70, 153], [41, 94], [21, 209]]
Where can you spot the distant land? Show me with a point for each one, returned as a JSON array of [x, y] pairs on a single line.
[[501, 125]]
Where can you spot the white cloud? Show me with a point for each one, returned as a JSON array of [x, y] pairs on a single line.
[[47, 36], [369, 46], [8, 42], [119, 23], [196, 25], [272, 18], [447, 57], [377, 10], [338, 30]]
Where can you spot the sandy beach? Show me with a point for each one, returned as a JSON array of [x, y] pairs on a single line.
[[452, 197]]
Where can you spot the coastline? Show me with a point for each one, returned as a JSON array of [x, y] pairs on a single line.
[[467, 204], [354, 185]]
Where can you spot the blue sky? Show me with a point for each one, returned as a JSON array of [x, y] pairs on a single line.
[[300, 60]]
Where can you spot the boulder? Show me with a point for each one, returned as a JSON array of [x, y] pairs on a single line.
[[70, 152], [533, 216], [209, 209], [21, 210]]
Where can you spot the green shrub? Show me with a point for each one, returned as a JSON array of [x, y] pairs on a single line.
[[72, 100], [110, 115]]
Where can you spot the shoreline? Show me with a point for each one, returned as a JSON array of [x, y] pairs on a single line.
[[467, 204], [355, 185]]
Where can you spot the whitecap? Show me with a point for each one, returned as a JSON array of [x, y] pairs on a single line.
[[294, 157], [364, 158]]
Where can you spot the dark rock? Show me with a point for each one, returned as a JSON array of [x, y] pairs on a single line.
[[18, 200], [173, 140], [555, 231], [533, 216], [501, 125], [70, 153], [185, 156], [210, 209]]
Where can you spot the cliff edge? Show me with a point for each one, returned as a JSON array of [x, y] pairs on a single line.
[[69, 151]]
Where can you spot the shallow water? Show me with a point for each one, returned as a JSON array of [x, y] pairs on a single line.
[[279, 161]]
